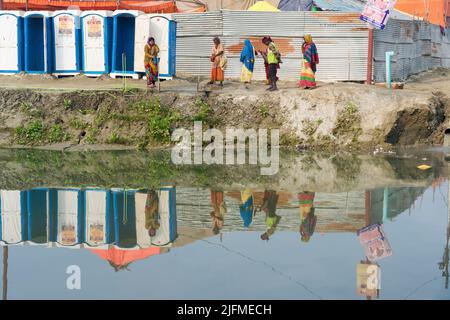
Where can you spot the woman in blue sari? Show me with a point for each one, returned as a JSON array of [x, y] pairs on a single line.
[[248, 60]]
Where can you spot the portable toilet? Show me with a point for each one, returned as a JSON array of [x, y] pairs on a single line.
[[39, 208], [124, 207], [69, 217], [13, 216], [163, 28], [124, 22], [37, 42], [98, 217], [66, 42], [96, 36], [11, 42]]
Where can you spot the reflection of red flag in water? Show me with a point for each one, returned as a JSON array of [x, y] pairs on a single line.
[[120, 259]]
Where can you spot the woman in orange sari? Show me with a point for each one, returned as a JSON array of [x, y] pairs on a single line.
[[151, 62], [217, 53]]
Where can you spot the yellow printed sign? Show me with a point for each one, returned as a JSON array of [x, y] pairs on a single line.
[[65, 25], [94, 27]]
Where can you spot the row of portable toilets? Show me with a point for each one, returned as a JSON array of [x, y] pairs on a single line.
[[69, 42], [92, 217]]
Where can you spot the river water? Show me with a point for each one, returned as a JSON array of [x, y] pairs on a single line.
[[75, 225]]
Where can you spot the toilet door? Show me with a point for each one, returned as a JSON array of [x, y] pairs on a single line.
[[8, 43], [94, 45], [65, 43], [159, 29]]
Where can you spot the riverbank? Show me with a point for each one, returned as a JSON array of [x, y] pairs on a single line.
[[79, 113]]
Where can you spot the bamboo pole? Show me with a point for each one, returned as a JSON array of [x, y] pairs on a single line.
[[5, 273]]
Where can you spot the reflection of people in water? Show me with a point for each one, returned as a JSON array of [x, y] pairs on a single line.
[[219, 210], [269, 206], [151, 213], [307, 217], [246, 207]]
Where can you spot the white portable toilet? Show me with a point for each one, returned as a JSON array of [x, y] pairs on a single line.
[[69, 217], [38, 42], [98, 216], [66, 42], [124, 22], [11, 42], [162, 27], [96, 36]]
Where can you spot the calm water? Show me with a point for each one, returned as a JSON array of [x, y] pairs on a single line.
[[94, 211]]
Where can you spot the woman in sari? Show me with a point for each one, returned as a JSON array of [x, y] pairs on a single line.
[[246, 207], [248, 60], [217, 67], [151, 62], [307, 217], [219, 210], [310, 62]]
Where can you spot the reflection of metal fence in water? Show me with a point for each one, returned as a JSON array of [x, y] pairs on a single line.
[[333, 215]]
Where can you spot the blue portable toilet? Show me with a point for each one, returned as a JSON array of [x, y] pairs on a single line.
[[13, 216], [124, 207], [39, 209], [38, 42], [11, 42], [123, 50], [99, 224], [66, 42], [96, 39], [163, 28]]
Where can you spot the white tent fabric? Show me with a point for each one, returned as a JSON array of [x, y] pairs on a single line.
[[11, 216], [67, 217], [96, 217]]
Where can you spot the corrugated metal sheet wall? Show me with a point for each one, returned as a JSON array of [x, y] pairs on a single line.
[[341, 39], [418, 46]]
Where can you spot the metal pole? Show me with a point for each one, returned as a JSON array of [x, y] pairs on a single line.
[[370, 57], [367, 207], [385, 204], [5, 273]]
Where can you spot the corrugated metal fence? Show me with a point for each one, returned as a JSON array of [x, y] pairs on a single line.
[[417, 47], [341, 38]]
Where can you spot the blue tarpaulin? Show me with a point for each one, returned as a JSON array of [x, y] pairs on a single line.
[[295, 5], [340, 5]]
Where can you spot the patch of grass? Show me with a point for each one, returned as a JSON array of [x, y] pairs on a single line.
[[32, 134], [78, 124], [160, 121], [27, 108], [264, 111], [204, 111], [91, 135], [57, 134], [67, 103], [115, 138], [348, 123]]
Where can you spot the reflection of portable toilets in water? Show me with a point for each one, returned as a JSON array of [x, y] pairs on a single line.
[[96, 35], [162, 27], [38, 42], [11, 42], [13, 216], [69, 218], [98, 218], [39, 206], [124, 209], [66, 42], [123, 48]]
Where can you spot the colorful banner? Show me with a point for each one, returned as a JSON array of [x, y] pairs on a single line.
[[376, 12], [94, 27], [374, 242], [65, 25]]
